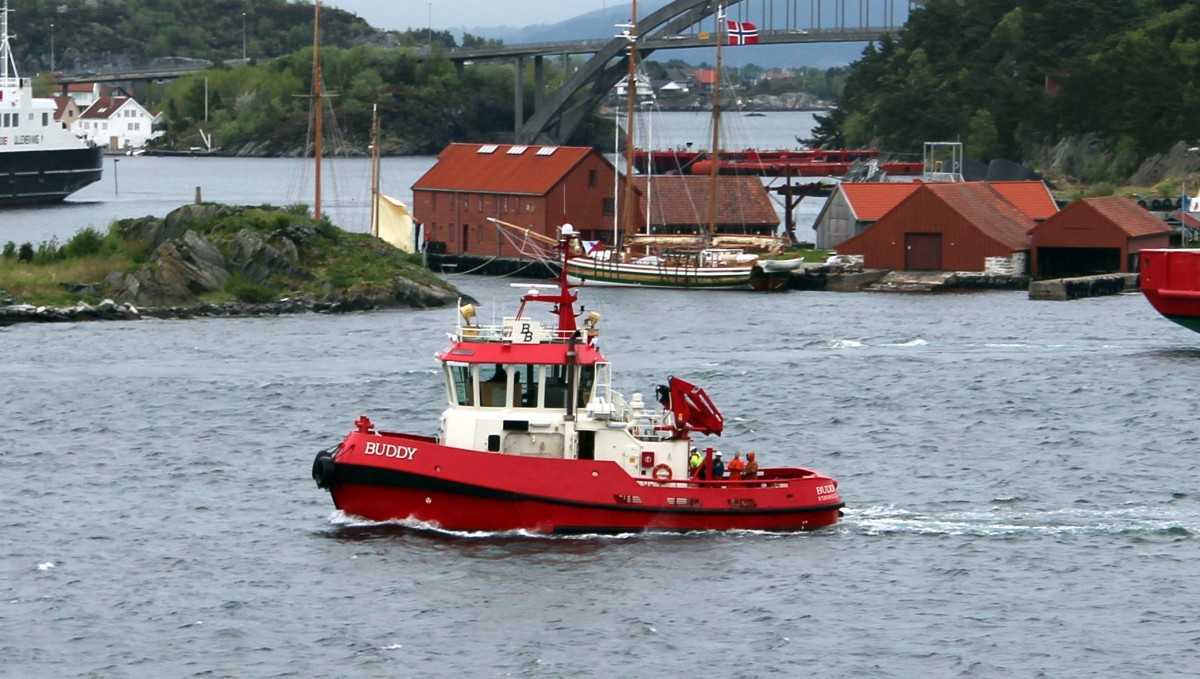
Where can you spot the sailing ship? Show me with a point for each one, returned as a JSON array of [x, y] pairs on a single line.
[[690, 261], [40, 160], [534, 438]]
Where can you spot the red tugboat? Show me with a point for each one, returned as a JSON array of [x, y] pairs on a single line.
[[534, 438], [1170, 281]]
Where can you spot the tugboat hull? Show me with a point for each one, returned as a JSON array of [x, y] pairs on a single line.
[[463, 490]]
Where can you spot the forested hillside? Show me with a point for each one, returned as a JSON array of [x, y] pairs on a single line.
[[95, 34], [1009, 77]]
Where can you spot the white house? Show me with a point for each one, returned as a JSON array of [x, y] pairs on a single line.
[[644, 90], [116, 123]]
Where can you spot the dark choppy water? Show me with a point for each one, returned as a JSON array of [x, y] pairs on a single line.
[[1020, 479]]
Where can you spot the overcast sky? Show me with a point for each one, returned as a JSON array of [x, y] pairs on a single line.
[[402, 14]]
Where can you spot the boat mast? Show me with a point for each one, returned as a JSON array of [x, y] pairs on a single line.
[[316, 101], [375, 170], [631, 89], [716, 131]]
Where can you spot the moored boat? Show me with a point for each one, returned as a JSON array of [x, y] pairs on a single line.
[[535, 438], [40, 160], [1170, 281], [685, 253]]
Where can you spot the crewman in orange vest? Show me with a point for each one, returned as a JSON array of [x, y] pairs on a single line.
[[736, 466]]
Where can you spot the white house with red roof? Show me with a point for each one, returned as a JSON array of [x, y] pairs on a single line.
[[116, 123]]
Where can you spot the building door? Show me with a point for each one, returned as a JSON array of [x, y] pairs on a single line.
[[922, 252], [465, 233]]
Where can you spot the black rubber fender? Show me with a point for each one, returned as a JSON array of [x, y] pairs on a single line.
[[324, 470]]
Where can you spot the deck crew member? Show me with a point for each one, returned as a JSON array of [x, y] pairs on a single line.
[[751, 470], [718, 466], [736, 467]]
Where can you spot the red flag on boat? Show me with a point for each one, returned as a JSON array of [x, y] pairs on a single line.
[[742, 33]]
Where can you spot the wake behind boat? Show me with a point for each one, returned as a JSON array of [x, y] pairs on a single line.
[[535, 438], [40, 160]]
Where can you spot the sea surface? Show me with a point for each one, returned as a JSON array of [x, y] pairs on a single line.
[[1020, 477]]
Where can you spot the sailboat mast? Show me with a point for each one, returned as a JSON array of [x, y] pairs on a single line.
[[716, 130], [631, 88], [375, 170], [316, 100]]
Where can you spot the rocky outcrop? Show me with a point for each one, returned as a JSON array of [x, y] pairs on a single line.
[[155, 231], [178, 272], [258, 260], [190, 253]]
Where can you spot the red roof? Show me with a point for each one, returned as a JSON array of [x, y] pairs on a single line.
[[1128, 215], [501, 168], [684, 199], [1187, 219], [871, 200], [104, 108], [1119, 211], [1031, 197], [987, 211]]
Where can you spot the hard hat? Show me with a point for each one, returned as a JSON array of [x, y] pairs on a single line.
[[718, 453]]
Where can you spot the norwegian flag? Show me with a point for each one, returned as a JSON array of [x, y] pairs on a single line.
[[742, 33]]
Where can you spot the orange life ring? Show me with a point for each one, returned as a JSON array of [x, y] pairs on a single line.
[[664, 476]]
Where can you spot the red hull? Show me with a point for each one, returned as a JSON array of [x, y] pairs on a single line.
[[463, 490], [804, 163], [796, 168], [1170, 281]]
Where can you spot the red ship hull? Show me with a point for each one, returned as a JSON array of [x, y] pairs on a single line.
[[462, 490], [1170, 281]]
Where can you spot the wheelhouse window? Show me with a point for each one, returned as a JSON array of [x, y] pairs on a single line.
[[525, 386], [556, 386], [462, 387], [587, 377], [493, 385]]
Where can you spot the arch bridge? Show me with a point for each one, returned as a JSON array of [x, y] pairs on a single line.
[[679, 24]]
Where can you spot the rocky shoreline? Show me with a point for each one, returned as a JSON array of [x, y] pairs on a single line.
[[12, 313]]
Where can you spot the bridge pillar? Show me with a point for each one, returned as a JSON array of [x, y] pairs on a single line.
[[518, 100], [539, 83]]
